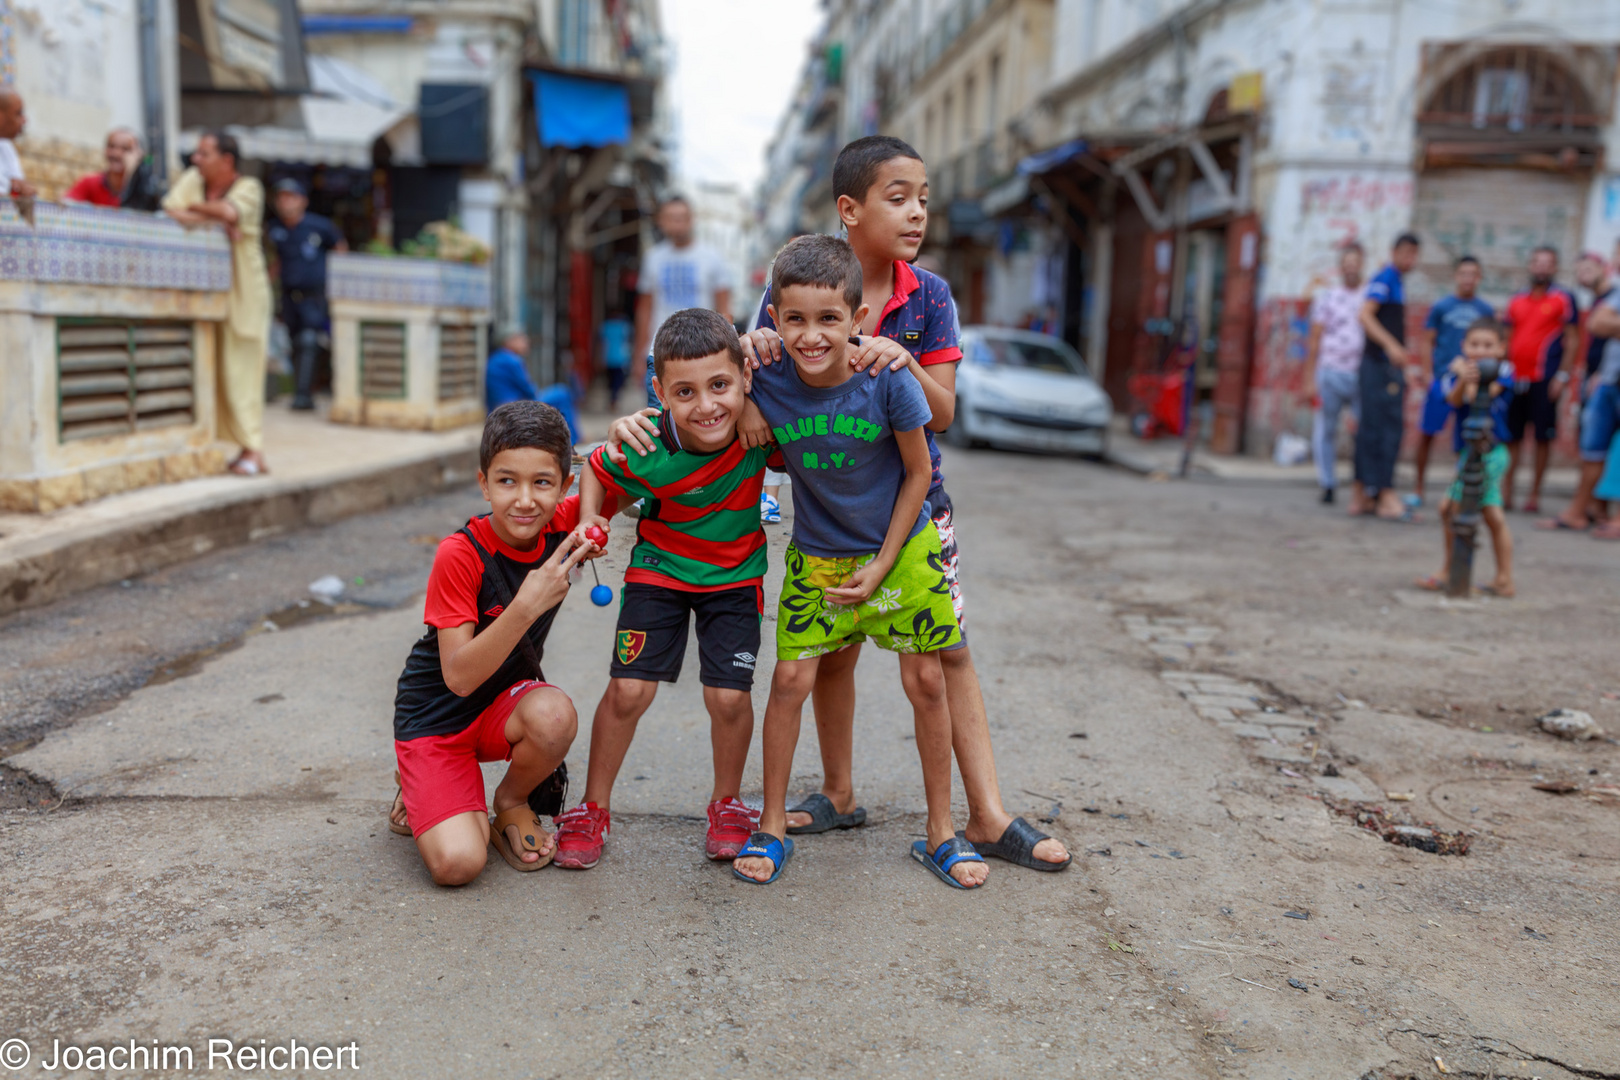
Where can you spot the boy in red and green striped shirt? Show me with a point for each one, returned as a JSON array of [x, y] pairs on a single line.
[[699, 552]]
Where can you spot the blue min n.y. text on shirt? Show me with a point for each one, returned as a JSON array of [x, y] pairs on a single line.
[[838, 445]]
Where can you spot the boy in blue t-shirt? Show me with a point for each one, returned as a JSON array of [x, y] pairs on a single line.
[[1448, 320], [880, 185], [865, 560]]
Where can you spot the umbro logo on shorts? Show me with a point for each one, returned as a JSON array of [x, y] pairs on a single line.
[[743, 660], [495, 612]]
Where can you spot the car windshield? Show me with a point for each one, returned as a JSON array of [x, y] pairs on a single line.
[[1023, 353]]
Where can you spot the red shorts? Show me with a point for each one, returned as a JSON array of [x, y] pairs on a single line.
[[439, 774]]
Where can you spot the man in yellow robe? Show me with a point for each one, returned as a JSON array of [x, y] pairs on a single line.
[[213, 192]]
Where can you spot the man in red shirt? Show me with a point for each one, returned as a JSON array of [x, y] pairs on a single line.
[[123, 184], [1542, 322]]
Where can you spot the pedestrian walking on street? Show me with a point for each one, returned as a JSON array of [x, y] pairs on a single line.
[[1383, 375], [1332, 358], [1542, 330], [214, 192], [677, 272], [301, 241], [1443, 331], [1600, 399]]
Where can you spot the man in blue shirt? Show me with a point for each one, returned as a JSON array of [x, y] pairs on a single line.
[[300, 241], [506, 378], [1444, 329], [1383, 375]]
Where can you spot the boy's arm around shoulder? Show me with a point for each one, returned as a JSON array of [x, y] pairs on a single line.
[[467, 658]]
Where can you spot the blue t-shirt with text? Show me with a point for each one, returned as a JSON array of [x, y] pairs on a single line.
[[1450, 319], [838, 446]]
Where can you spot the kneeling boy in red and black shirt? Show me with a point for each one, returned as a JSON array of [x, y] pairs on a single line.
[[472, 689]]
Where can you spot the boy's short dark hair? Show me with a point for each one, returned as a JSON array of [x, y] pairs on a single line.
[[1407, 238], [1489, 323], [518, 425], [1545, 249], [1465, 261], [692, 334], [856, 169], [825, 261]]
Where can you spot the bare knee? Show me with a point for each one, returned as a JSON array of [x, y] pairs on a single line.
[[792, 681], [549, 722], [456, 865], [630, 696], [922, 678], [727, 703]]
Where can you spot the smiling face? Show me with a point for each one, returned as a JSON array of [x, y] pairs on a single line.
[[523, 486], [1484, 344], [816, 324], [894, 213], [703, 397]]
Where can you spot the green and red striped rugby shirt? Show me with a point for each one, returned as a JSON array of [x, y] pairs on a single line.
[[699, 529]]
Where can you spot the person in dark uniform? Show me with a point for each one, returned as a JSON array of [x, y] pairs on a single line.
[[1385, 370], [301, 240]]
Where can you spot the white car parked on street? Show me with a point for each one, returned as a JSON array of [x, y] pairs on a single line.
[[1032, 391]]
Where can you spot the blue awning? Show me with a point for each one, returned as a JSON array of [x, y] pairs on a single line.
[[575, 111], [1047, 160]]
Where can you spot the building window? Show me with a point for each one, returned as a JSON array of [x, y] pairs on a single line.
[[1500, 99], [970, 96], [946, 114]]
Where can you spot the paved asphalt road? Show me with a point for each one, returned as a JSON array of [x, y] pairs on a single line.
[[195, 844]]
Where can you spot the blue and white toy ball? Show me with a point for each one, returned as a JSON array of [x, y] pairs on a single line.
[[602, 595]]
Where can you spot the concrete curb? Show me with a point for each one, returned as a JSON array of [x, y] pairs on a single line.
[[54, 567]]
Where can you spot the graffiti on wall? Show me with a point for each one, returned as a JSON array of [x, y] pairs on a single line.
[[1326, 210]]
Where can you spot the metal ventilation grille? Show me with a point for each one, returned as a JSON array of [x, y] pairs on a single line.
[[382, 360], [458, 362], [117, 377]]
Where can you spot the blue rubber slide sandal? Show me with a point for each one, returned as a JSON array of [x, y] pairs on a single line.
[[764, 845], [953, 851]]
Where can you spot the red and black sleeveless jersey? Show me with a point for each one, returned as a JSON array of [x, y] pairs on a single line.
[[423, 704]]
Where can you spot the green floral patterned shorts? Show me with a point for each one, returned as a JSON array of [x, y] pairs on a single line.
[[910, 612]]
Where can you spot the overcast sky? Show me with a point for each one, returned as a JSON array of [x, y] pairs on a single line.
[[736, 63]]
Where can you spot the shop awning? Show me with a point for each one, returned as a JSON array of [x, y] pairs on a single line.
[[1047, 160], [576, 110]]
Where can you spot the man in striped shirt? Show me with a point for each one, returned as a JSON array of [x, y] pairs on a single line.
[[700, 551]]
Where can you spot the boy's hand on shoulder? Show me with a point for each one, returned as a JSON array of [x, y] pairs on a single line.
[[859, 586], [545, 586], [762, 346], [752, 429], [874, 352], [639, 429]]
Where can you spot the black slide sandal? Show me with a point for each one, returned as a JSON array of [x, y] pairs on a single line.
[[1017, 846], [824, 817]]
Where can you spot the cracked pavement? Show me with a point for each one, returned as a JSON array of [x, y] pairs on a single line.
[[1208, 690]]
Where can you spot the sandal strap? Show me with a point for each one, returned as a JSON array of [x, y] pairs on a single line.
[[529, 830], [823, 814], [762, 845], [955, 850]]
